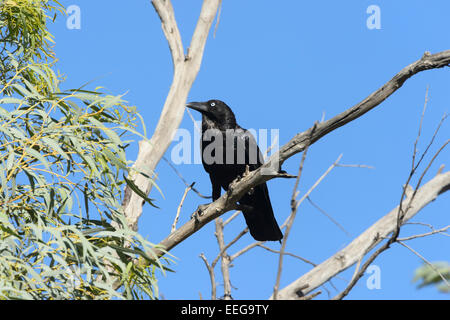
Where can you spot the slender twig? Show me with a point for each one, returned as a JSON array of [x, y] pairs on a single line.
[[225, 260], [420, 129], [401, 213], [427, 262], [441, 169], [234, 215], [255, 244], [314, 186], [355, 166], [258, 243], [328, 216], [174, 224], [294, 208], [229, 244], [406, 193], [366, 241], [440, 231], [197, 128], [431, 162], [287, 254], [421, 224], [394, 238], [211, 276], [245, 249], [184, 180]]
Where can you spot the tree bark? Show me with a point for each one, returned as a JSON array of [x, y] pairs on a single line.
[[185, 71], [365, 242], [297, 144]]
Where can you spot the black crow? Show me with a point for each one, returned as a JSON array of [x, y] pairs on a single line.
[[227, 149]]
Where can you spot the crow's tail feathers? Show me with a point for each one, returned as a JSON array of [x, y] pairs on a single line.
[[261, 228], [258, 214]]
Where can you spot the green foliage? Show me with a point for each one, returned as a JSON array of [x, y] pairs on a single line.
[[428, 276], [24, 36], [63, 234], [23, 25]]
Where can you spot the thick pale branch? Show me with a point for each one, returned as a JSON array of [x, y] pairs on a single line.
[[185, 72], [366, 241], [428, 61], [169, 25], [297, 144]]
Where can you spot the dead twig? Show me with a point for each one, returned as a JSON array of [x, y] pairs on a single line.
[[328, 216], [287, 254], [440, 231], [426, 261], [225, 260], [294, 208], [407, 193], [174, 224], [366, 241], [211, 276]]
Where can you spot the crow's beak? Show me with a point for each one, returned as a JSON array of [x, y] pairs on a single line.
[[198, 106]]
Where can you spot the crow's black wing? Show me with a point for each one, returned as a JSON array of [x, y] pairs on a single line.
[[257, 208]]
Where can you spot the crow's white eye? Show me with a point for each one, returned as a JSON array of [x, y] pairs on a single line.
[[212, 104]]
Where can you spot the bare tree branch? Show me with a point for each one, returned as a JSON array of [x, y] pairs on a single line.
[[426, 261], [409, 193], [169, 25], [229, 244], [297, 144], [185, 72], [440, 231], [234, 215], [285, 223], [177, 216], [367, 240], [225, 260], [212, 276], [287, 254], [247, 248]]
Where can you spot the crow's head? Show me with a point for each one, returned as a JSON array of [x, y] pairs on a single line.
[[215, 111]]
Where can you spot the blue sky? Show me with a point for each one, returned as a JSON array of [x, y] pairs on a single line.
[[282, 67]]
